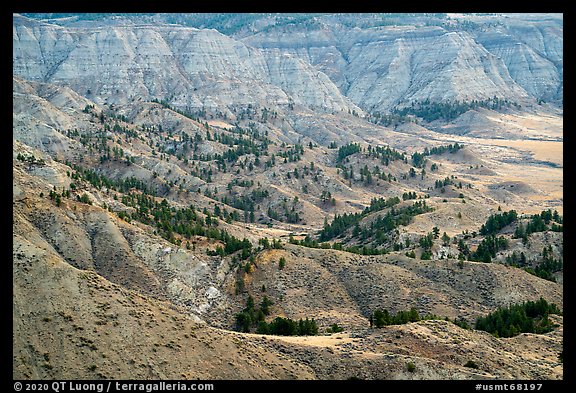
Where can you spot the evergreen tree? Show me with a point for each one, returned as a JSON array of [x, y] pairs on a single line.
[[445, 239], [265, 305], [528, 317]]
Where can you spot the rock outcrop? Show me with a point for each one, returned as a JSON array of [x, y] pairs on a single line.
[[533, 55], [385, 66], [193, 69]]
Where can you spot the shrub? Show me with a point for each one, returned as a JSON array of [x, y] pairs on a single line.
[[334, 328], [471, 364]]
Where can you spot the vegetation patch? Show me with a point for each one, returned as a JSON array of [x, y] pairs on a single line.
[[528, 317]]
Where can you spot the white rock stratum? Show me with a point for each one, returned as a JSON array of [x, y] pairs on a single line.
[[191, 68]]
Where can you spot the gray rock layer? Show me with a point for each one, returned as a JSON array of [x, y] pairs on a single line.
[[191, 68], [380, 67]]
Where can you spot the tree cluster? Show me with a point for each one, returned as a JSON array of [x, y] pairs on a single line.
[[488, 248], [539, 223], [30, 159], [547, 266], [527, 317], [347, 150], [496, 222], [380, 318], [355, 249], [430, 111], [341, 223], [250, 316], [287, 327]]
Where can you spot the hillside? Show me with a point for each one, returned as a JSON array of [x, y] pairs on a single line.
[[184, 185], [76, 324]]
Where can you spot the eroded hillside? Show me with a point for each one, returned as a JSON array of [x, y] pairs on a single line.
[[178, 190]]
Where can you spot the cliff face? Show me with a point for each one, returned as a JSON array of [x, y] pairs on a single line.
[[532, 53], [324, 65], [390, 66], [191, 68], [380, 67]]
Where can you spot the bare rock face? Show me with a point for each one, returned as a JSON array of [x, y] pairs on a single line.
[[533, 55], [381, 67], [453, 67], [391, 66], [191, 68]]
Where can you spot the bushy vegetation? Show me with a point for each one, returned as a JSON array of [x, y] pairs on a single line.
[[341, 223], [252, 318], [488, 248], [380, 318], [471, 364], [496, 222], [528, 317], [450, 110]]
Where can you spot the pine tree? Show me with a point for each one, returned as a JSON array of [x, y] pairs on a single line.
[[265, 305]]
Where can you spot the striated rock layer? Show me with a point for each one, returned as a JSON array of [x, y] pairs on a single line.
[[384, 66], [191, 68]]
